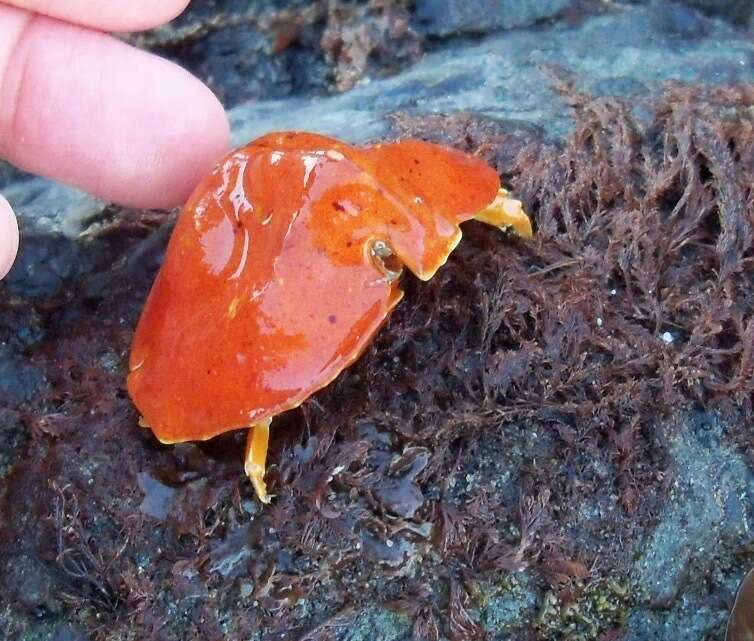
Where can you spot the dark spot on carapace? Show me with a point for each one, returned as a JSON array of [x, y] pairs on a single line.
[[332, 318]]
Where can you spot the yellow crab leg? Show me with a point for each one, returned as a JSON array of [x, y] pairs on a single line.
[[507, 213], [256, 456]]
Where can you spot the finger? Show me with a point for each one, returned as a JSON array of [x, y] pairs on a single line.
[[107, 15], [8, 237], [88, 110]]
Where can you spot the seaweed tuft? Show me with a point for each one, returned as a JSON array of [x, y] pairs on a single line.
[[510, 420]]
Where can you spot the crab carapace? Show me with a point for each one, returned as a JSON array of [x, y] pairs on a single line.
[[283, 265]]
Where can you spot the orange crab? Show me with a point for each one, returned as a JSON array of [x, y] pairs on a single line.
[[282, 267]]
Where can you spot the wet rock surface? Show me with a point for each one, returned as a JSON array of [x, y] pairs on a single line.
[[442, 19], [738, 12], [548, 440], [517, 76]]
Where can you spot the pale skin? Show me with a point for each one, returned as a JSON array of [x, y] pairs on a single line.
[[81, 107]]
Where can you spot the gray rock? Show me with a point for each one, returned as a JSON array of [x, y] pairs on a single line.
[[512, 608], [158, 497], [690, 621], [53, 219], [20, 380], [631, 51], [443, 17], [233, 47], [739, 12], [709, 516], [69, 633], [45, 263], [679, 20], [10, 174], [229, 557], [34, 589], [501, 615], [12, 438], [377, 625], [50, 630], [238, 64], [48, 208]]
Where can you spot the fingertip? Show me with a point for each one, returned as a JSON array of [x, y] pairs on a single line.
[[143, 138], [108, 15], [8, 237], [171, 142], [192, 140], [144, 15]]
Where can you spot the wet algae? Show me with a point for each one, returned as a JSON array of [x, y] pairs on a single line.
[[505, 462]]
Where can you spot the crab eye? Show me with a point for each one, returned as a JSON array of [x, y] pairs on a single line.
[[385, 259]]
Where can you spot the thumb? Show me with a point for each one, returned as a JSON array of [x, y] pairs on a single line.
[[8, 237]]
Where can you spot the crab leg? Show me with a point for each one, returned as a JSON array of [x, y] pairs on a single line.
[[256, 455], [506, 212]]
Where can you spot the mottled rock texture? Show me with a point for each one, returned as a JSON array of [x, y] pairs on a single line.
[[580, 404]]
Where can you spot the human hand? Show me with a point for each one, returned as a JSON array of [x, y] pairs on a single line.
[[84, 108]]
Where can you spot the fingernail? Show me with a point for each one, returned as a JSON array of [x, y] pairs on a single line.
[[8, 237]]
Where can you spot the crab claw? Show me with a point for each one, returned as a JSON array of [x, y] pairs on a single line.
[[506, 213]]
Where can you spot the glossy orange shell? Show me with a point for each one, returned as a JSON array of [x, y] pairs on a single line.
[[269, 289]]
